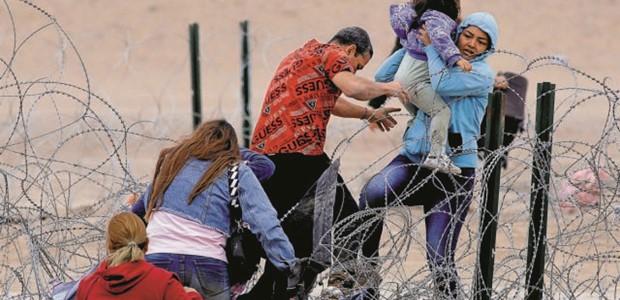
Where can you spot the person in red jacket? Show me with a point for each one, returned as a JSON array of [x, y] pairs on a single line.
[[124, 274]]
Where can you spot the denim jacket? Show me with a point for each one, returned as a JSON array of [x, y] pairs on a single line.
[[211, 208]]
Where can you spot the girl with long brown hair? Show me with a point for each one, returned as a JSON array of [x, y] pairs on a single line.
[[188, 215]]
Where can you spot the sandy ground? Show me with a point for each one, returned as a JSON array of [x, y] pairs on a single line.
[[134, 56]]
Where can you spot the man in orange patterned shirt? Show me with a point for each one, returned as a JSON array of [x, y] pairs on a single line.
[[291, 130]]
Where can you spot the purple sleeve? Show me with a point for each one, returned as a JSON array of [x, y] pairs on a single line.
[[401, 19], [440, 27], [260, 164], [138, 208]]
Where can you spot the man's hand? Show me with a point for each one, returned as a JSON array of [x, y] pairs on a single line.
[[294, 282], [382, 117], [399, 92]]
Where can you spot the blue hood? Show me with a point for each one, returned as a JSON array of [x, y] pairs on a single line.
[[487, 23]]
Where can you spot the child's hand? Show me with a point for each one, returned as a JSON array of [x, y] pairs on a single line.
[[133, 197], [464, 64]]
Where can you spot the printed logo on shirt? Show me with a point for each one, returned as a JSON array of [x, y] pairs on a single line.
[[311, 103], [314, 85], [286, 72], [270, 128], [302, 140], [320, 69], [302, 110], [341, 65], [303, 129], [299, 101], [261, 145], [304, 120], [277, 92], [307, 77], [274, 115]]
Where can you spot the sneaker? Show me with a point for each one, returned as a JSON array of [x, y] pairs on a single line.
[[339, 284], [331, 293], [442, 163], [354, 282]]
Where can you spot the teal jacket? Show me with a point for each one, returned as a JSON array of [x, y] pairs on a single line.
[[465, 92]]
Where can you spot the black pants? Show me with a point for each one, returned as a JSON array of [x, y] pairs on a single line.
[[294, 182]]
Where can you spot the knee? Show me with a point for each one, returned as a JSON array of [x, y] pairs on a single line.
[[372, 195], [445, 112]]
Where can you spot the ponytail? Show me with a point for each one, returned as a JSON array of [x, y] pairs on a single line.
[[129, 253], [126, 239]]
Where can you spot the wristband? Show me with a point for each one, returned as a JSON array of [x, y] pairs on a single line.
[[364, 115]]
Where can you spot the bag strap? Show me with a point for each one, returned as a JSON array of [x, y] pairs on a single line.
[[233, 185]]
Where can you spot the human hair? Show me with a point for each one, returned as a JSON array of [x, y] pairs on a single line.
[[354, 36], [214, 141], [451, 8], [125, 238]]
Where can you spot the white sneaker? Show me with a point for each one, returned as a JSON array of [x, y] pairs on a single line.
[[442, 163]]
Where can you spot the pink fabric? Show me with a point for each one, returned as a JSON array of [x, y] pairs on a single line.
[[169, 233], [236, 290], [580, 190]]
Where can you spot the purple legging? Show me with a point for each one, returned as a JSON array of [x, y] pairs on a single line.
[[445, 199]]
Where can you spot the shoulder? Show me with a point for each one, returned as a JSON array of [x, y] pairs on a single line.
[[311, 43], [335, 60], [400, 8], [483, 68], [246, 173], [244, 168], [436, 16], [85, 284], [315, 47]]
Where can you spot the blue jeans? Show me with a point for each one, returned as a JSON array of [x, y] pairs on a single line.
[[445, 199], [209, 276]]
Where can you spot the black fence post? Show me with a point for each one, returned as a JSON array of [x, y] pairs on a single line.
[[194, 48], [245, 84], [488, 215], [539, 199]]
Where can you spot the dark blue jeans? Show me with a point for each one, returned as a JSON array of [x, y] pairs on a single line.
[[209, 276], [445, 199]]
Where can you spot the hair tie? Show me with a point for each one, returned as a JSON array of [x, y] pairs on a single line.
[[132, 243]]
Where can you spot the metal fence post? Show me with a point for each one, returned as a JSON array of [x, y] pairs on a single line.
[[245, 84], [194, 48], [539, 199], [488, 216]]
